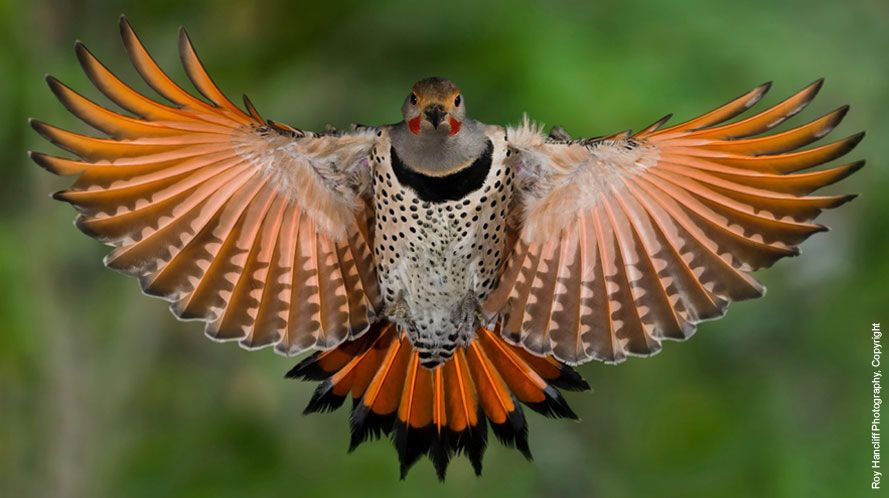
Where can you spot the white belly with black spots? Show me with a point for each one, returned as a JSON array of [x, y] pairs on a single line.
[[437, 257]]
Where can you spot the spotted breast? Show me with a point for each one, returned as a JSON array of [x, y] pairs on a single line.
[[439, 244]]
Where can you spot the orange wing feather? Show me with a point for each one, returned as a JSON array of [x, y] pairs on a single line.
[[634, 239], [216, 211]]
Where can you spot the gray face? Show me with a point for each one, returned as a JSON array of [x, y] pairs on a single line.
[[434, 107], [437, 138]]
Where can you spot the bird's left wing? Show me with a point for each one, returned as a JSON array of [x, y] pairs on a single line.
[[627, 240], [256, 228]]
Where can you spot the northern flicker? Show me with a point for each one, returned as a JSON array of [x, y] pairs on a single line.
[[443, 270]]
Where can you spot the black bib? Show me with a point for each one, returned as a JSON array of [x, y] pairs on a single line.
[[444, 188]]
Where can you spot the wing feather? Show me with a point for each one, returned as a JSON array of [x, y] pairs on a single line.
[[628, 240], [656, 286], [233, 322], [765, 120], [256, 230]]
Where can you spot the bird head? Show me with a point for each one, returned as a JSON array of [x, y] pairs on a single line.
[[434, 106]]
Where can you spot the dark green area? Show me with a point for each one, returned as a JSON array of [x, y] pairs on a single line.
[[103, 393]]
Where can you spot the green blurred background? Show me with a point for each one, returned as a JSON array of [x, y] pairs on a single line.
[[103, 393]]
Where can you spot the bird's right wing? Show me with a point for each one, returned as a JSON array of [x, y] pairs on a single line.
[[256, 228]]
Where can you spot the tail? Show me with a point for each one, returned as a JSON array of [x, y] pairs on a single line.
[[441, 412]]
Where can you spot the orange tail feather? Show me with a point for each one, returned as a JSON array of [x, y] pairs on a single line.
[[443, 412]]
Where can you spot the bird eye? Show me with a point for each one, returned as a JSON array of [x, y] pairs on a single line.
[[458, 100], [414, 99]]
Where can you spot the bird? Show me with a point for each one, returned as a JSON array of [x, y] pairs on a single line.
[[441, 272]]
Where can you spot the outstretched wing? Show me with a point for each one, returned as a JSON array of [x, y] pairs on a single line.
[[258, 229], [628, 240]]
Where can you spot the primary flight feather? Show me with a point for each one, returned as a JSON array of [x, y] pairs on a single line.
[[445, 270]]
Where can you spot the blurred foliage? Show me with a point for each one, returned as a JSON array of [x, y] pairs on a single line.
[[103, 393]]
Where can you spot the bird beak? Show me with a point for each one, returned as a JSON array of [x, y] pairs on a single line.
[[435, 114]]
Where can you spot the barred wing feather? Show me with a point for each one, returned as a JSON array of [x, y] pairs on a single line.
[[628, 240], [257, 229]]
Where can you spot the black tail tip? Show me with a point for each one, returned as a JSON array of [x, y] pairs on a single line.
[[308, 369]]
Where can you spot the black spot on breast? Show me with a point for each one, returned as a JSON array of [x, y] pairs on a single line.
[[445, 188]]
